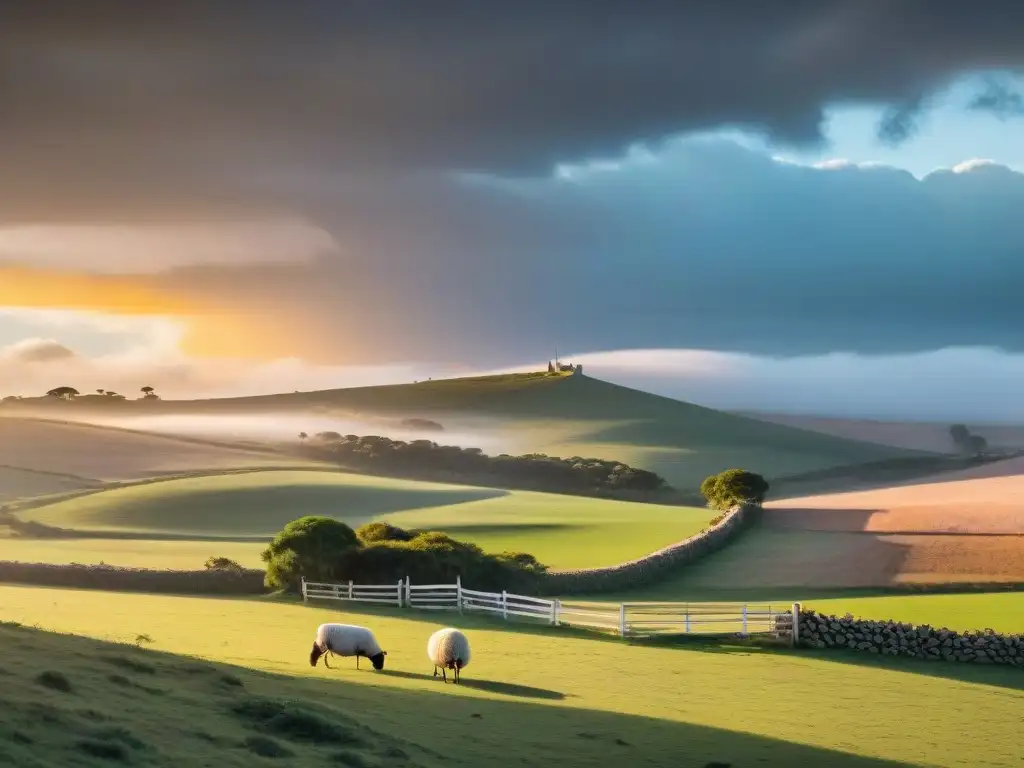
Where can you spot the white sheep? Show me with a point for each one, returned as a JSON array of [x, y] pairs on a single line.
[[448, 649], [346, 640]]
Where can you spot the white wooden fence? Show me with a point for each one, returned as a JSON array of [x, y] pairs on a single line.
[[623, 619]]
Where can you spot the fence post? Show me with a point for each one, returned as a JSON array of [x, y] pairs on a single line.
[[408, 593], [554, 613], [504, 605], [400, 585], [458, 592], [622, 619], [687, 617], [350, 589], [305, 599], [796, 624], [744, 619]]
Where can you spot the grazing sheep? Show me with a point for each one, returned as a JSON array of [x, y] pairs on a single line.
[[346, 640], [448, 649]]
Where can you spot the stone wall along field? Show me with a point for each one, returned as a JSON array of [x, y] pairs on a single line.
[[655, 566], [891, 638]]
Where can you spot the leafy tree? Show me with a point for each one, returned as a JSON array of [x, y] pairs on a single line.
[[734, 486], [223, 564], [303, 436], [381, 531], [309, 547], [63, 393], [146, 390], [978, 445], [961, 436], [100, 391]]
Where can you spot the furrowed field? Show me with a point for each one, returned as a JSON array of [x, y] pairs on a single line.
[[529, 696]]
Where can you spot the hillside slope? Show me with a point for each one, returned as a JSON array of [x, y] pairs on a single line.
[[560, 415], [580, 415], [40, 456]]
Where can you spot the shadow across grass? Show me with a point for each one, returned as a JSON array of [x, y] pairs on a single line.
[[314, 721], [490, 686], [996, 676]]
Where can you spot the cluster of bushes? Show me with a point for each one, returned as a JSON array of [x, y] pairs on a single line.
[[966, 443], [323, 549], [734, 486], [535, 471]]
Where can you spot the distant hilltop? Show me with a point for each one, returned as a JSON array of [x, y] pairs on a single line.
[[557, 367]]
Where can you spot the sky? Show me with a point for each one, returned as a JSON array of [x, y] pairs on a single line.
[[813, 208]]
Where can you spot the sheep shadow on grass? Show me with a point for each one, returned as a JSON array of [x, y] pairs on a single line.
[[490, 686]]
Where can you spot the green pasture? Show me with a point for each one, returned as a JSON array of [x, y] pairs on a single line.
[[1001, 611], [561, 531], [530, 696]]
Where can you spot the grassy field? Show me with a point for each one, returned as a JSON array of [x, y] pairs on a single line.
[[535, 697], [567, 416], [129, 553], [1001, 611], [561, 531]]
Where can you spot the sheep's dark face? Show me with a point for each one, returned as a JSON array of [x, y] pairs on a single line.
[[378, 660], [314, 655]]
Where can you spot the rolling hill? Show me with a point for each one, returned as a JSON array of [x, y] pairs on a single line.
[[42, 457], [560, 415], [235, 514]]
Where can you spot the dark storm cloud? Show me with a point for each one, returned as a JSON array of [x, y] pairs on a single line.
[[163, 102], [711, 246], [999, 99]]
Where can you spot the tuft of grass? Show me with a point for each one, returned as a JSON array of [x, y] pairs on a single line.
[[230, 680], [264, 746], [121, 735], [291, 721], [104, 750], [130, 664], [55, 681], [350, 758]]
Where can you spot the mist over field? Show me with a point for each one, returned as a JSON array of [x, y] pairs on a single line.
[[275, 427]]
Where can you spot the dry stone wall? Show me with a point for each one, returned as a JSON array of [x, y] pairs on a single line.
[[655, 566], [891, 638]]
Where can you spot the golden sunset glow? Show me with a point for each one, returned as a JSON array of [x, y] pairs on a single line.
[[113, 294]]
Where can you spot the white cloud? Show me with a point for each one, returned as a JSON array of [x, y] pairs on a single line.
[[971, 165], [36, 351], [144, 248]]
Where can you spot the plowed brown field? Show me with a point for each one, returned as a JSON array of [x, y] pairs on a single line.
[[966, 526]]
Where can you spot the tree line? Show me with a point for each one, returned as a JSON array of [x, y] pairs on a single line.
[[70, 393], [534, 471]]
